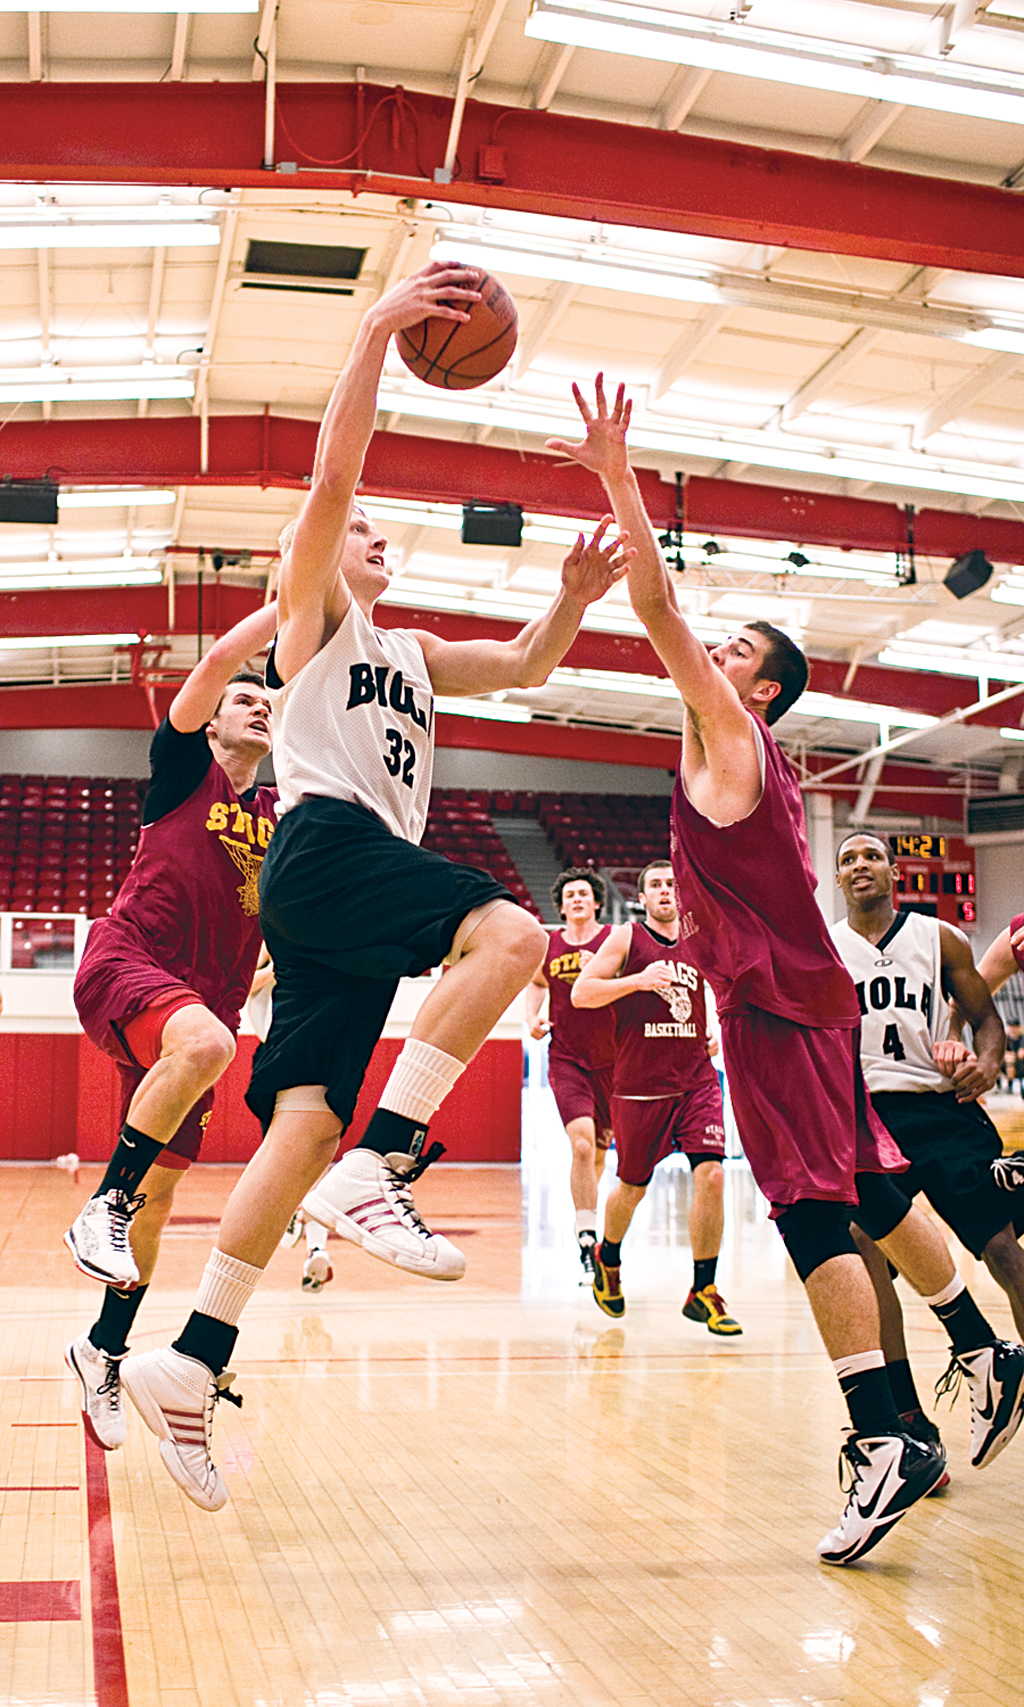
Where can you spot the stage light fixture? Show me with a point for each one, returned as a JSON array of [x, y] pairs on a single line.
[[967, 574]]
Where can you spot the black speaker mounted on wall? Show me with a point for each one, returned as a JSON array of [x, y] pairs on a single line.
[[29, 501], [492, 524], [967, 574]]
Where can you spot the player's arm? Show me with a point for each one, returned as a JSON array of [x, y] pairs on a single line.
[[536, 997], [264, 973], [197, 699], [718, 728], [998, 963], [601, 982], [482, 666], [312, 596], [972, 1072]]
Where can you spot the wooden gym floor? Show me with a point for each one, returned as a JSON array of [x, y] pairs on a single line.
[[485, 1494]]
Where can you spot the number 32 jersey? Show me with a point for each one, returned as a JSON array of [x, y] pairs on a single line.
[[357, 723], [903, 1009]]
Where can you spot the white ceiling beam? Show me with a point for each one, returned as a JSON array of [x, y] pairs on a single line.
[[35, 47], [541, 326], [819, 382], [227, 243], [45, 315], [482, 27], [554, 63], [961, 17], [179, 48], [874, 120], [268, 14], [156, 291], [681, 96], [458, 108], [872, 776], [686, 349], [960, 397]]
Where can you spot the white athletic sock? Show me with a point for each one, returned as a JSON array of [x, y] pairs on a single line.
[[316, 1236], [420, 1080], [857, 1363], [226, 1287], [948, 1293], [586, 1222]]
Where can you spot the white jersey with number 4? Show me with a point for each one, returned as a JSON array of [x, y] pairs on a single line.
[[357, 723], [903, 1009]]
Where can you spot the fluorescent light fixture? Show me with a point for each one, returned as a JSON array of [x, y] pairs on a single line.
[[609, 273], [615, 681], [48, 642], [742, 50], [1008, 593], [100, 572], [133, 6], [1001, 667], [118, 234], [113, 497], [859, 711], [95, 385], [507, 413], [997, 338], [1012, 734], [496, 710]]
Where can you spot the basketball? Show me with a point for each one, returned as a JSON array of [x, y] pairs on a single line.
[[456, 355]]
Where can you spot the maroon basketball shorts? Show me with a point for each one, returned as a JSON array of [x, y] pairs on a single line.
[[802, 1109], [647, 1129], [583, 1093]]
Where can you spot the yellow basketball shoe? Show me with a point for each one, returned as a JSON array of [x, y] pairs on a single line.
[[708, 1306]]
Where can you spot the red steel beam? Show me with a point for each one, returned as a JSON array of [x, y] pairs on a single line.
[[143, 610], [212, 134], [277, 451]]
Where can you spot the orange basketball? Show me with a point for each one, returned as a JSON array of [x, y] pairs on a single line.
[[458, 354]]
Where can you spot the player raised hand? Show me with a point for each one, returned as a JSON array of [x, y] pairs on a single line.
[[592, 567], [444, 289], [603, 448]]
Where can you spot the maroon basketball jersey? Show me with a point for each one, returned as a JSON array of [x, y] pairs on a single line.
[[661, 1046], [585, 1035], [747, 911], [189, 904]]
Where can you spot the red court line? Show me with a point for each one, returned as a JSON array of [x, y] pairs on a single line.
[[111, 1682], [40, 1603], [44, 1425], [40, 1488]]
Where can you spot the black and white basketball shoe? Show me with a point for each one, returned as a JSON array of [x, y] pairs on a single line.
[[888, 1473]]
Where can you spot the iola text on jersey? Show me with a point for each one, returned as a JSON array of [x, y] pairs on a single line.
[[903, 1010], [357, 723]]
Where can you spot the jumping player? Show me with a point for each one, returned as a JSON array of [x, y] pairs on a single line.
[[162, 982], [1000, 961], [789, 1012], [667, 1095], [580, 1057], [906, 969], [349, 902]]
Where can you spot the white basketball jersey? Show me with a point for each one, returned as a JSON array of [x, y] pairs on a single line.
[[357, 723], [903, 1009]]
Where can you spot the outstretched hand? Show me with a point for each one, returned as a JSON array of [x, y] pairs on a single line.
[[603, 447], [443, 290], [592, 567]]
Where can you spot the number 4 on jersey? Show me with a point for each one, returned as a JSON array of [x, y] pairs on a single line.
[[891, 1044]]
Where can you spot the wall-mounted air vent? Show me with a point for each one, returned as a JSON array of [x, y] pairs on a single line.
[[995, 815], [313, 269]]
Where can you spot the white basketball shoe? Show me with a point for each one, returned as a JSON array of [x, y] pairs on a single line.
[[367, 1199], [175, 1396]]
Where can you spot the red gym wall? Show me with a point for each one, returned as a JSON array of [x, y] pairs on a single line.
[[59, 1093]]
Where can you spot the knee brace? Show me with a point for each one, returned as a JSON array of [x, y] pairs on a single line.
[[881, 1205], [814, 1232]]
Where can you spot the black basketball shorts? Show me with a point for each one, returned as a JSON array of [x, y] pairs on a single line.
[[347, 908], [950, 1146]]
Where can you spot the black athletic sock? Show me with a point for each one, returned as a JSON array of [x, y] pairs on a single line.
[[388, 1132], [208, 1341], [870, 1402], [610, 1255], [134, 1155], [904, 1394], [964, 1323], [112, 1326], [704, 1272]]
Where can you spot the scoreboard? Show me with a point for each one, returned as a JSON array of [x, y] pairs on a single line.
[[936, 877]]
